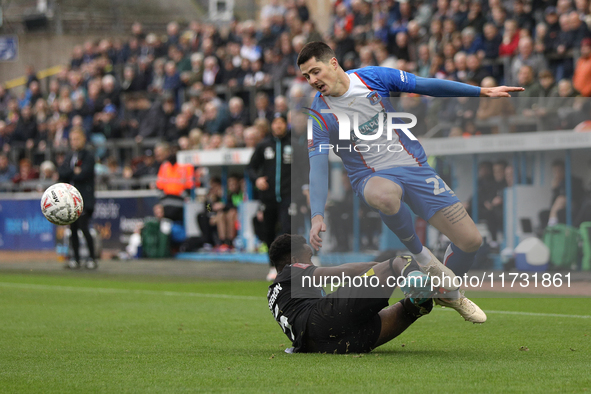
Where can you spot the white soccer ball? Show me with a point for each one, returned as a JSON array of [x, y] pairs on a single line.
[[62, 204]]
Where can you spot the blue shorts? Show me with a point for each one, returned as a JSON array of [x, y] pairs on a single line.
[[422, 189]]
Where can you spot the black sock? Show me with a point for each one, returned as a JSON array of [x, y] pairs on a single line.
[[417, 310]]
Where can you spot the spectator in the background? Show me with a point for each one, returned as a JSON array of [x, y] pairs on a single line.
[[48, 171], [475, 17], [524, 18], [563, 44], [213, 120], [263, 107], [107, 124], [78, 170], [227, 214], [7, 169], [207, 218], [172, 33], [188, 110], [26, 171], [526, 56], [566, 104], [158, 119], [33, 93], [237, 111], [172, 79], [25, 132], [252, 137], [510, 41], [487, 189], [557, 212], [343, 19], [549, 101], [195, 74], [131, 81], [5, 136], [344, 44], [475, 72], [157, 82], [579, 29], [249, 49], [110, 92], [551, 19], [540, 38], [211, 71], [384, 59], [256, 76], [181, 62], [272, 9], [181, 128], [471, 42], [529, 97], [461, 67], [491, 109], [174, 180], [582, 76], [77, 57], [281, 107], [147, 166]]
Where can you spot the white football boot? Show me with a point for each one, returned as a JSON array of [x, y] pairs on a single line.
[[466, 308]]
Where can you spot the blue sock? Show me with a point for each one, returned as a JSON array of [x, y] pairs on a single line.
[[457, 260], [401, 224]]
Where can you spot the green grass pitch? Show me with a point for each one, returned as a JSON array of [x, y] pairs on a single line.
[[82, 334]]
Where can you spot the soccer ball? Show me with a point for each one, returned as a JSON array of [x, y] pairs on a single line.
[[62, 204]]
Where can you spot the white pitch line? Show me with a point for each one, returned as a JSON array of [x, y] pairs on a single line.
[[539, 314], [127, 291], [531, 314], [227, 296]]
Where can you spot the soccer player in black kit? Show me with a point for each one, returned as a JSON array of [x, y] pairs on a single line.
[[350, 320]]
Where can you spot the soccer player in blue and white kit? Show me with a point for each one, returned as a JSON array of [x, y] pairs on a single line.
[[386, 177]]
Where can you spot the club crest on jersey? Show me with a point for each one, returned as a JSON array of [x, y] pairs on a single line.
[[374, 98]]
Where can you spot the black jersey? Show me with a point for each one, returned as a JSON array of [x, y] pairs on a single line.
[[291, 301]]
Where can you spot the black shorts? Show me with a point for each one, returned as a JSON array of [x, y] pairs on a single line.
[[344, 322]]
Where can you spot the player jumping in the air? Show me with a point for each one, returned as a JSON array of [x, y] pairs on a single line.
[[353, 318], [385, 178]]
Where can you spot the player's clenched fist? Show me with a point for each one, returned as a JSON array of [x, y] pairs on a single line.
[[318, 226]]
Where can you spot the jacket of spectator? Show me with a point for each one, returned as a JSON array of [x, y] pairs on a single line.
[[7, 169], [158, 119], [174, 179], [582, 77], [26, 128]]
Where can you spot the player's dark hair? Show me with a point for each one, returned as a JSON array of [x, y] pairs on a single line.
[[282, 248], [318, 49]]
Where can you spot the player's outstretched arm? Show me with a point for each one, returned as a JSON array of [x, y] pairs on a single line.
[[443, 88], [500, 91], [318, 196]]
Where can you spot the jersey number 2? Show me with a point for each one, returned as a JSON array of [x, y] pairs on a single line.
[[436, 189]]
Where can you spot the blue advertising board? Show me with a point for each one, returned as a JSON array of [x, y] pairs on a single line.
[[115, 219], [23, 226], [116, 216]]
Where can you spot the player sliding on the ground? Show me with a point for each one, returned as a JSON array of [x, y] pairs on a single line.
[[353, 318], [386, 178]]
